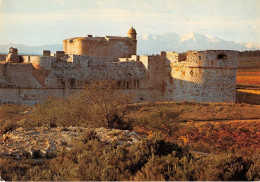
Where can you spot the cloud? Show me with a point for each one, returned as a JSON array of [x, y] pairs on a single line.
[[147, 21], [113, 16], [145, 36], [70, 15]]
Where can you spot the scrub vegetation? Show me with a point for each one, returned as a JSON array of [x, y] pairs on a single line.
[[185, 141]]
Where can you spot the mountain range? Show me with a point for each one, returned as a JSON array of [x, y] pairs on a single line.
[[155, 43], [30, 50]]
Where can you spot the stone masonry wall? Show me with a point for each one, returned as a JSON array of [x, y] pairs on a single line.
[[202, 76], [2, 57], [109, 46], [39, 77]]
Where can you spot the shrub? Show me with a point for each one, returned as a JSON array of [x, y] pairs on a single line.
[[8, 125], [53, 111], [11, 117], [98, 104], [165, 120], [253, 173], [225, 167], [91, 159], [13, 170], [104, 103], [166, 168], [150, 159]]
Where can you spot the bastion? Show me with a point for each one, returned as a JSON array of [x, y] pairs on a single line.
[[201, 76], [108, 46]]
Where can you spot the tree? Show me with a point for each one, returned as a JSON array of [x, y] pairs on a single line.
[[166, 120], [105, 105]]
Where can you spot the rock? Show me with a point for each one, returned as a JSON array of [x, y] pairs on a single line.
[[36, 154], [51, 153], [38, 161], [44, 142], [42, 153], [29, 153], [1, 179], [63, 143], [133, 133], [16, 156]]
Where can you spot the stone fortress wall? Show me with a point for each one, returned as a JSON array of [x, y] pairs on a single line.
[[202, 76], [108, 46]]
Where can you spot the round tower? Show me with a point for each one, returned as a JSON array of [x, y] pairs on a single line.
[[132, 33]]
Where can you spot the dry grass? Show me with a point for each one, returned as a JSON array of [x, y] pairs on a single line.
[[12, 116], [248, 72], [248, 77], [249, 91], [199, 112], [209, 127], [12, 112], [217, 137], [248, 80], [249, 62]]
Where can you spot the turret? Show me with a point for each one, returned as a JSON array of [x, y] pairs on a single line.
[[132, 33]]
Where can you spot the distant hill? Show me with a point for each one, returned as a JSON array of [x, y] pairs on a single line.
[[155, 43], [31, 50]]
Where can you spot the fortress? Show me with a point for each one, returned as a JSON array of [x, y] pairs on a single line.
[[201, 76]]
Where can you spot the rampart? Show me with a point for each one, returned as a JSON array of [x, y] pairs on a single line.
[[202, 76]]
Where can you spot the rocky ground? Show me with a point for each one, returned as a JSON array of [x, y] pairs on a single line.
[[43, 142]]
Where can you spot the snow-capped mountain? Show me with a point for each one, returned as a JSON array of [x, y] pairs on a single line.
[[250, 45], [153, 44]]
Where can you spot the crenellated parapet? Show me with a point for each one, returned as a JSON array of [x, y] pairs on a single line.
[[209, 58]]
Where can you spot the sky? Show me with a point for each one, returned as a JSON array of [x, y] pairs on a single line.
[[41, 22]]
